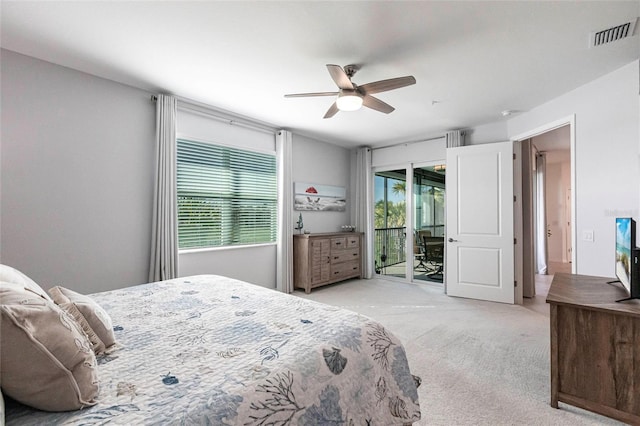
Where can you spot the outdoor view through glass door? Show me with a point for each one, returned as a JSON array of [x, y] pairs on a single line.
[[428, 223], [426, 257], [390, 223]]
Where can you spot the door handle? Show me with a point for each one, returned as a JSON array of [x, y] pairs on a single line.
[[451, 240]]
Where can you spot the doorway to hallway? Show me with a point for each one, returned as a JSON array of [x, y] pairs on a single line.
[[547, 211]]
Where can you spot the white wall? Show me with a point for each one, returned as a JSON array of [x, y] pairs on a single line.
[[607, 130], [76, 176], [321, 163]]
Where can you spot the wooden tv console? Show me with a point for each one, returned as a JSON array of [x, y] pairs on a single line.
[[595, 347]]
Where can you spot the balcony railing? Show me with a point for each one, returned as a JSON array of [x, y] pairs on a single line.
[[389, 246]]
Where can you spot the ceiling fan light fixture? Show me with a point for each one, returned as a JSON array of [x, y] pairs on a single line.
[[349, 101]]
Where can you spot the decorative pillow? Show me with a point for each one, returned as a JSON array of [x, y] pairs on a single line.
[[96, 318], [97, 345], [46, 360], [12, 277]]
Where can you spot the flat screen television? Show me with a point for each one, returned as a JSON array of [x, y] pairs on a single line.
[[627, 267]]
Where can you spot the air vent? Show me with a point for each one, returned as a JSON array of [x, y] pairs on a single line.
[[598, 38]]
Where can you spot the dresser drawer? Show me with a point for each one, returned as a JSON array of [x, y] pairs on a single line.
[[339, 256], [338, 243], [353, 241], [345, 270]]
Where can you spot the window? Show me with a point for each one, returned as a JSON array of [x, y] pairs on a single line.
[[226, 196]]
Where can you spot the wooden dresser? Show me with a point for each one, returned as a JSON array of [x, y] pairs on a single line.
[[595, 347], [320, 259]]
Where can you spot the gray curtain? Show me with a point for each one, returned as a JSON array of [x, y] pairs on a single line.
[[164, 234], [284, 265], [454, 138], [362, 207]]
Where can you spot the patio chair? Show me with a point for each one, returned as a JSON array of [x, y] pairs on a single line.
[[434, 254], [419, 252]]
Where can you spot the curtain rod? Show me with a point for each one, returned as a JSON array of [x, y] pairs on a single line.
[[462, 132], [408, 143], [220, 115]]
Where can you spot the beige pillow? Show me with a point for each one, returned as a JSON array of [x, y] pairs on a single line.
[[11, 277], [46, 360], [96, 317]]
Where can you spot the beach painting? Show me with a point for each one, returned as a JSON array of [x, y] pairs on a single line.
[[623, 251], [315, 197]]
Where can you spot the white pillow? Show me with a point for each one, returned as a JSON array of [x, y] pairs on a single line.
[[12, 278]]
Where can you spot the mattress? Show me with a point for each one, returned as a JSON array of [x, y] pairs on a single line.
[[213, 350]]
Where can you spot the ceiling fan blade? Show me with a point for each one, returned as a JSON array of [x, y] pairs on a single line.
[[304, 95], [375, 103], [340, 77], [333, 109], [384, 85]]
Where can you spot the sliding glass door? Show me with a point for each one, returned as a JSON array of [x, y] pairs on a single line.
[[416, 251], [428, 223], [390, 223]]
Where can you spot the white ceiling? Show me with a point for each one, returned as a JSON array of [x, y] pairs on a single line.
[[471, 60]]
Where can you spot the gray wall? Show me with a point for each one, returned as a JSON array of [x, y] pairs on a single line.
[[399, 156], [487, 133], [321, 163], [76, 183], [607, 114], [76, 176], [607, 131]]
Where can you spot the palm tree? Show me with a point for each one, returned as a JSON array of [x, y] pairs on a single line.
[[399, 187]]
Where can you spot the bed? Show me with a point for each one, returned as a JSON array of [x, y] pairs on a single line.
[[213, 350]]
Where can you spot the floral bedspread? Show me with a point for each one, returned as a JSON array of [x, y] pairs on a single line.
[[213, 350]]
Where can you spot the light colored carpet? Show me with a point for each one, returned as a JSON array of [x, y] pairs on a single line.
[[481, 363]]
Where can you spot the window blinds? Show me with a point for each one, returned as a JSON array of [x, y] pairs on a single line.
[[226, 196]]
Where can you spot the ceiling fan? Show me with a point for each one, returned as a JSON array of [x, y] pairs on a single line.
[[351, 96]]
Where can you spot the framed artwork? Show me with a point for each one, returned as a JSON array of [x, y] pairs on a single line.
[[316, 197]]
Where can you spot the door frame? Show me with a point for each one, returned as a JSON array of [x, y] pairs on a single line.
[[571, 122]]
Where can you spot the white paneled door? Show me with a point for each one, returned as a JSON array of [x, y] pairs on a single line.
[[479, 240]]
